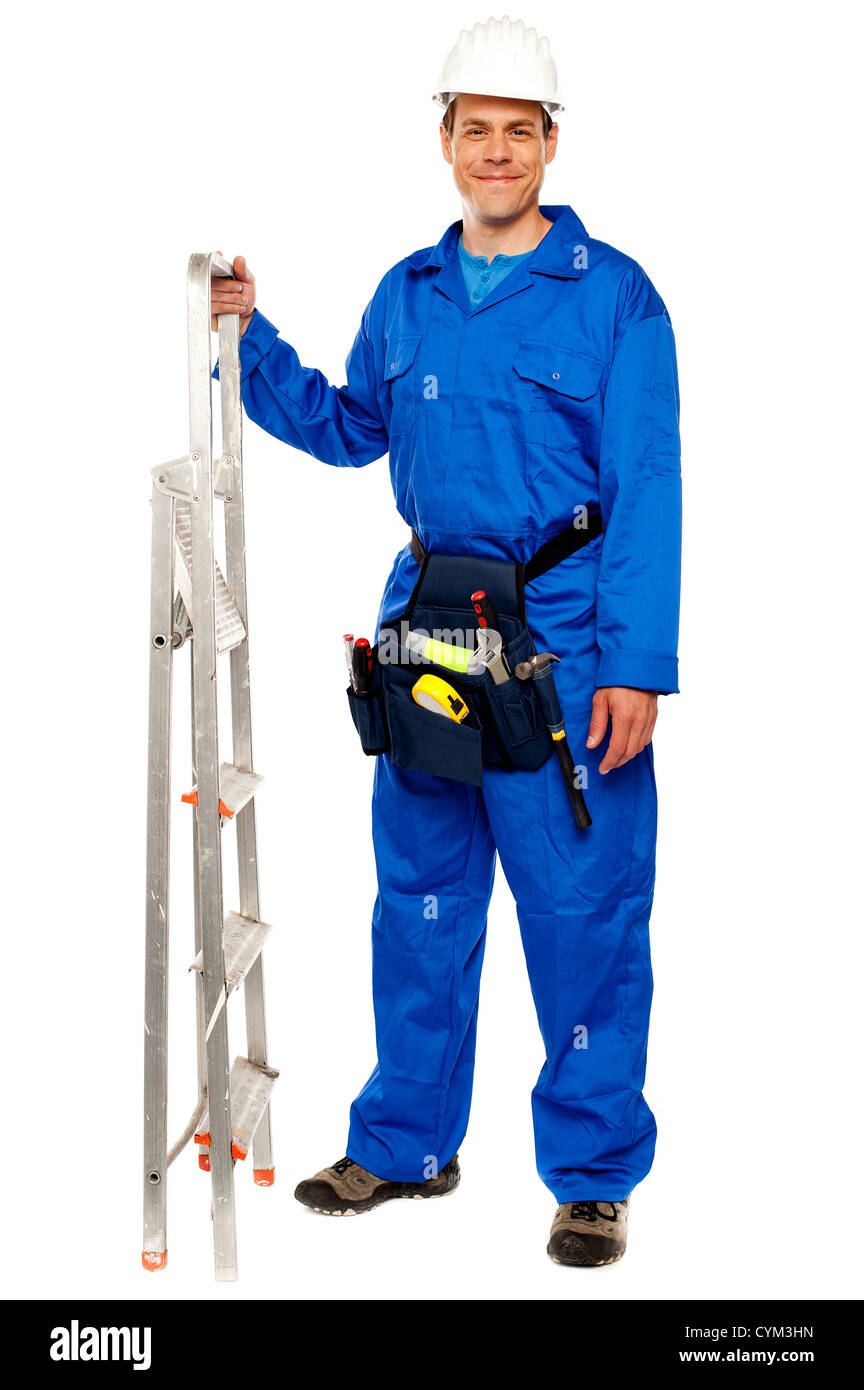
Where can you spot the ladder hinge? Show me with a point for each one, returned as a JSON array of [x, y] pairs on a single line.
[[180, 477]]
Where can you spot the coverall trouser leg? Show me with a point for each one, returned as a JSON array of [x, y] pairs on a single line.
[[583, 902]]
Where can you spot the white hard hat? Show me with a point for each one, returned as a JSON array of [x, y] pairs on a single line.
[[501, 58]]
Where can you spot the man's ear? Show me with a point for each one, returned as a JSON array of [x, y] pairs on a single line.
[[552, 142], [446, 147]]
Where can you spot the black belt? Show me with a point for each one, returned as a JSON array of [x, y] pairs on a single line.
[[550, 554]]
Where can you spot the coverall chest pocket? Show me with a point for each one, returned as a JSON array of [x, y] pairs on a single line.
[[556, 395], [400, 373]]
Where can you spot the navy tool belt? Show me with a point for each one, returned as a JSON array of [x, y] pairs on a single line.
[[505, 725]]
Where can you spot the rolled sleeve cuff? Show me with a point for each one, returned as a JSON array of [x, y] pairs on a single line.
[[255, 344], [641, 670]]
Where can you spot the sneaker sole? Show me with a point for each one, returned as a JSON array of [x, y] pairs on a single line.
[[573, 1252], [361, 1211]]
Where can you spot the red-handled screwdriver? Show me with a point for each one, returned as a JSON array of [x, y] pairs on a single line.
[[487, 620], [361, 660], [485, 610]]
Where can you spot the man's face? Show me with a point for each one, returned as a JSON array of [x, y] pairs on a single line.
[[498, 154]]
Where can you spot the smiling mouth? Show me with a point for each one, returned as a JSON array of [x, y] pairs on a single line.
[[497, 178]]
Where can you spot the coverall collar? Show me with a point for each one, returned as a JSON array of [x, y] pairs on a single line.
[[554, 255]]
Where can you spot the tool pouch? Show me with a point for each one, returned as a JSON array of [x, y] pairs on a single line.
[[504, 726], [367, 711]]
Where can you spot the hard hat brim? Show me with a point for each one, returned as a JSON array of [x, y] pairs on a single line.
[[551, 104]]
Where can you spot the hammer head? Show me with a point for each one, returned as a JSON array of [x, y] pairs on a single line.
[[525, 670]]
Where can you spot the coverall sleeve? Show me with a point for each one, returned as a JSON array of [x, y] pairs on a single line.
[[339, 425], [640, 499]]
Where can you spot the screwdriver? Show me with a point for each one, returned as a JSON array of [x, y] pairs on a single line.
[[361, 660], [485, 609], [487, 619]]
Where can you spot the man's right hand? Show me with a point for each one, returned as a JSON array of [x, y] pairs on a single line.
[[235, 296]]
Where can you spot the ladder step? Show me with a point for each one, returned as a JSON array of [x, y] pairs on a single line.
[[250, 1088], [237, 786], [242, 940], [230, 631]]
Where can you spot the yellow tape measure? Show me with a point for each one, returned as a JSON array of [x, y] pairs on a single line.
[[435, 694]]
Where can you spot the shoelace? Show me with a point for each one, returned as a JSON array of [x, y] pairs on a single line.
[[587, 1211]]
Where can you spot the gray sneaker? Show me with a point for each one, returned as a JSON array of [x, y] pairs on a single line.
[[589, 1233], [347, 1189]]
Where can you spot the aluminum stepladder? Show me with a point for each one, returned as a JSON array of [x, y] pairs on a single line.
[[192, 601]]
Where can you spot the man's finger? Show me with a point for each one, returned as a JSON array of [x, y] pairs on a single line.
[[242, 271], [614, 754], [599, 720], [220, 310], [617, 744], [635, 744], [229, 303], [230, 298], [639, 736]]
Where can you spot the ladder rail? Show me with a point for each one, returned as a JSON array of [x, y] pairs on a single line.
[[241, 713], [154, 1248], [206, 769], [200, 1027]]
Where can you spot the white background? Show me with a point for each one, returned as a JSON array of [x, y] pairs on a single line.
[[713, 143]]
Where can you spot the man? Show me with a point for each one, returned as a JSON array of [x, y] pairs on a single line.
[[521, 376]]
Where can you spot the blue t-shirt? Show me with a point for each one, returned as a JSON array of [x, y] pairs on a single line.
[[481, 276]]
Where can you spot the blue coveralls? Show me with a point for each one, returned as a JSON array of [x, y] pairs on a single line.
[[555, 391]]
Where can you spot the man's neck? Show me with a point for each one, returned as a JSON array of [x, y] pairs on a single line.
[[507, 238]]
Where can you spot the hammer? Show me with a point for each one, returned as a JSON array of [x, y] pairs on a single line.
[[539, 669]]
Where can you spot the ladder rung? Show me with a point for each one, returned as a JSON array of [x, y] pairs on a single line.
[[237, 785], [242, 939], [230, 631], [250, 1088]]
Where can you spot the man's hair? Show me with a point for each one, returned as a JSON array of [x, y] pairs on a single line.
[[450, 115]]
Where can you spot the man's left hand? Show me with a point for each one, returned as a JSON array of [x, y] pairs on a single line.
[[633, 714]]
